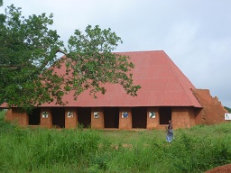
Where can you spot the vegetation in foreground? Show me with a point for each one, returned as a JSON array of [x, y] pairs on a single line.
[[39, 150]]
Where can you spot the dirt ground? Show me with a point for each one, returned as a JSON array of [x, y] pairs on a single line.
[[220, 169]]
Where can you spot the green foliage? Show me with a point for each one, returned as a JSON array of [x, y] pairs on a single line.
[[94, 64], [28, 58], [27, 48], [228, 109], [39, 150]]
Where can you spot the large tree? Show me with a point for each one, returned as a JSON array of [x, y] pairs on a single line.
[[28, 55]]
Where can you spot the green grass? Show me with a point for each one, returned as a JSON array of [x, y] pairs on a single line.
[[40, 150]]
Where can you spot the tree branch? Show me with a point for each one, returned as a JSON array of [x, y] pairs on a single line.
[[14, 67], [61, 51]]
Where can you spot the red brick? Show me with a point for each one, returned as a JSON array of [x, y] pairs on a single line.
[[97, 123], [71, 122], [152, 123], [183, 117], [14, 115], [125, 123], [213, 112], [46, 122]]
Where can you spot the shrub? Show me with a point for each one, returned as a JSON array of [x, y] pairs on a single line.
[[41, 150]]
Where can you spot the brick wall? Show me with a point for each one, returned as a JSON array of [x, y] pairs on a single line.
[[71, 118], [125, 123], [152, 123], [14, 115], [97, 122], [182, 117], [46, 121], [212, 112]]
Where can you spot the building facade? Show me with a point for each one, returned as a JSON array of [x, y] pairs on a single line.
[[165, 94]]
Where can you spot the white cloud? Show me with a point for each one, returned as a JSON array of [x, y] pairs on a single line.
[[195, 34]]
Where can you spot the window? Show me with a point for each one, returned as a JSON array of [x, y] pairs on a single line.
[[124, 114], [45, 114], [70, 115], [96, 115], [152, 115]]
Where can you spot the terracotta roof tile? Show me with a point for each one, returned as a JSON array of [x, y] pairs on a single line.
[[162, 82]]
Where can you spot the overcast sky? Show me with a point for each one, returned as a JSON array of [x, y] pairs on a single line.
[[196, 34]]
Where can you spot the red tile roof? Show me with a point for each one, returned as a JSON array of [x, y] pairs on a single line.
[[162, 84]]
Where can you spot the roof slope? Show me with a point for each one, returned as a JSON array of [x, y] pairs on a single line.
[[162, 84]]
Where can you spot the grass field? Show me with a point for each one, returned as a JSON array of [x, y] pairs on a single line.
[[40, 150]]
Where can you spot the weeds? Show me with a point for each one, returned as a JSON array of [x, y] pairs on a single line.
[[40, 150]]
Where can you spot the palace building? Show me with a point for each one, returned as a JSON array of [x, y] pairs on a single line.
[[165, 94]]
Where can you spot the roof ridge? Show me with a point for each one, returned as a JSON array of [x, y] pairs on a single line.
[[140, 51]]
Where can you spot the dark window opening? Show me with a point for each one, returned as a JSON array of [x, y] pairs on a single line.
[[34, 117], [58, 117], [139, 117], [111, 118], [84, 117], [165, 115]]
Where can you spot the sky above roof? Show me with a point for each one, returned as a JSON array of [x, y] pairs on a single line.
[[196, 34]]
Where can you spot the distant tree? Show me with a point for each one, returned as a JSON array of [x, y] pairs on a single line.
[[28, 56], [228, 109]]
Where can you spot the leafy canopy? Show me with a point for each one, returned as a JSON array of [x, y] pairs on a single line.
[[29, 67]]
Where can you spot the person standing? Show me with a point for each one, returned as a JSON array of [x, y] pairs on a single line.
[[169, 136]]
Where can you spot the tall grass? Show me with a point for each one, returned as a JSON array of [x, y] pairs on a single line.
[[42, 150], [193, 150]]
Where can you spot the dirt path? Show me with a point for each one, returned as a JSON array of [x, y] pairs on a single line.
[[220, 169]]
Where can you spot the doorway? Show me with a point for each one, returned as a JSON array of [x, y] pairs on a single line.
[[139, 118], [34, 117], [58, 117], [84, 117], [165, 115], [111, 117]]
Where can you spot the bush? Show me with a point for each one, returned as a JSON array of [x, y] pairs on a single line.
[[41, 150], [28, 150]]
